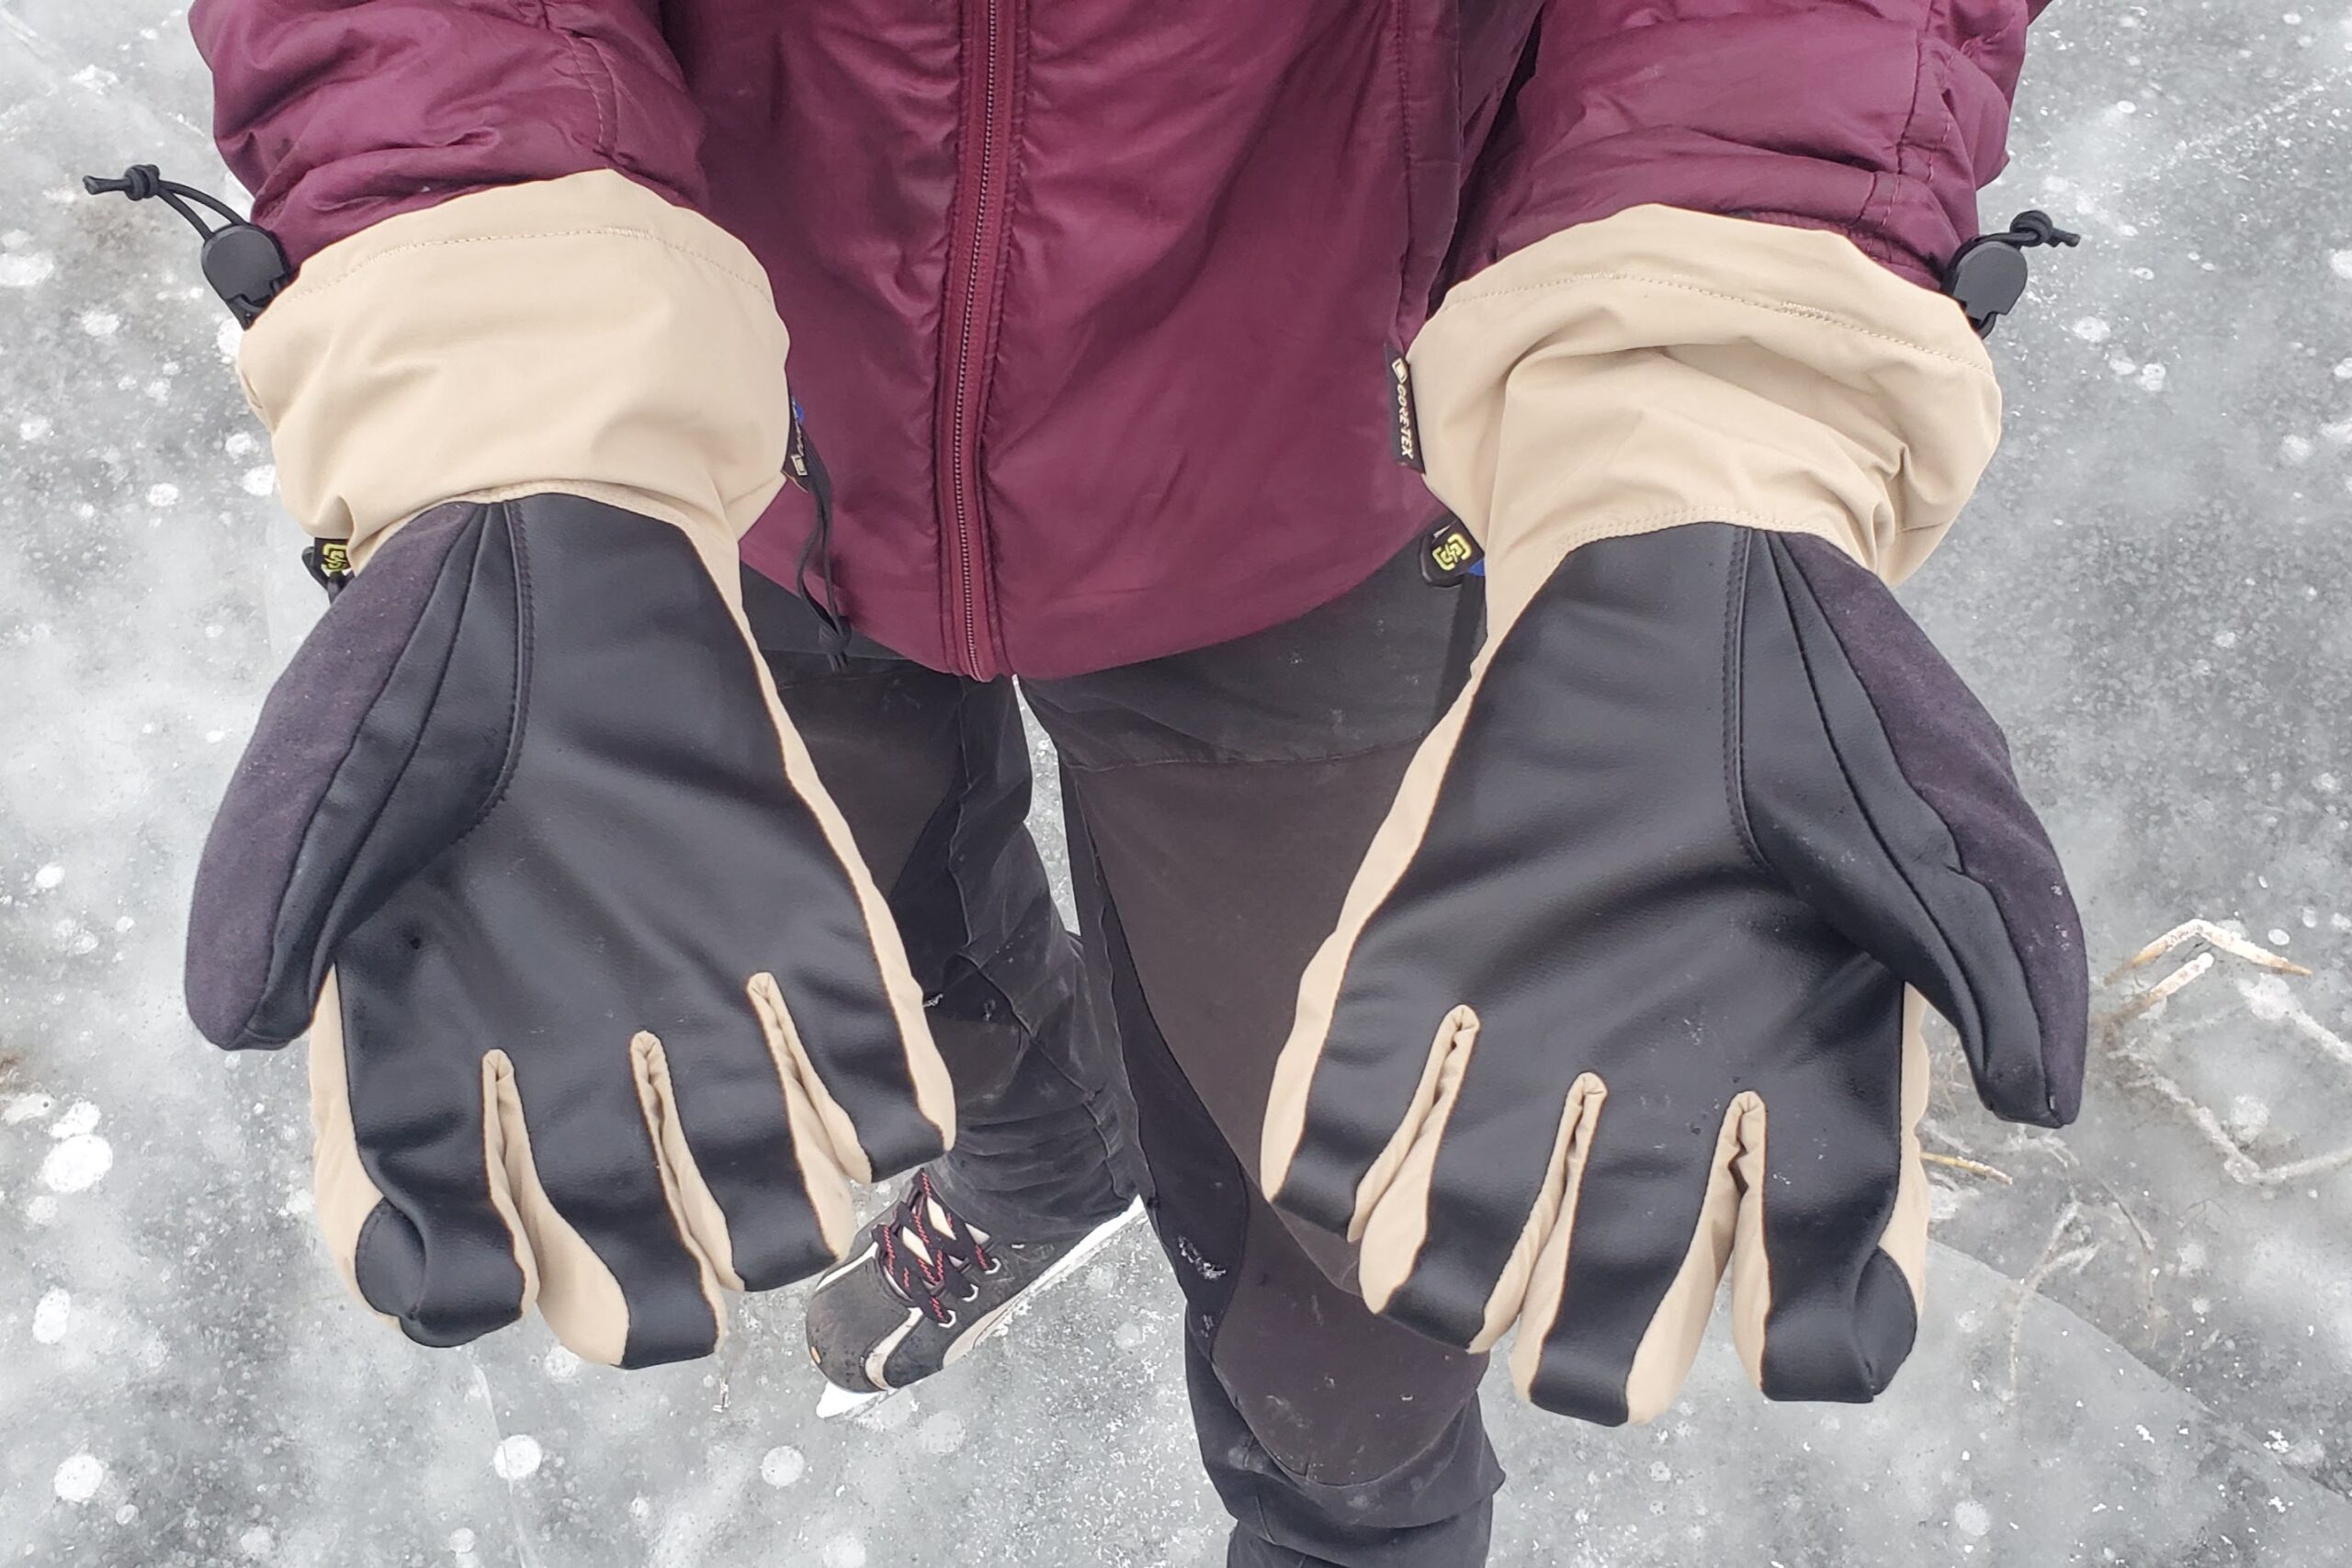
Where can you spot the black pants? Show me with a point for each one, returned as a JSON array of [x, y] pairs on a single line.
[[1217, 804]]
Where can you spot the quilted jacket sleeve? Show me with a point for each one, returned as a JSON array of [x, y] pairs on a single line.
[[339, 113], [1877, 119]]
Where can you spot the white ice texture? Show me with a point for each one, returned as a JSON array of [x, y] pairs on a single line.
[[2137, 1351]]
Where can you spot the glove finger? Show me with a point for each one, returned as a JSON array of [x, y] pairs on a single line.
[[1832, 1240], [1879, 787], [414, 1202], [750, 1165], [622, 1280], [1463, 1282], [1622, 1287]]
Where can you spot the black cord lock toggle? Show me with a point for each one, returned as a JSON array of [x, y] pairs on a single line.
[[242, 262], [1987, 275]]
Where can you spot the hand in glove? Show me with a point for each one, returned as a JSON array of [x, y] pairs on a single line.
[[1619, 997], [607, 1012]]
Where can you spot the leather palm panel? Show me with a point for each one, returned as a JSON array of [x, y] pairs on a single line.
[[1672, 852]]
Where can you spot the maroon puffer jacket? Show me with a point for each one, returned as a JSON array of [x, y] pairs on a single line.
[[1092, 301]]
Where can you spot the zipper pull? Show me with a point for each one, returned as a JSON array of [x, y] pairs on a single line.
[[242, 262], [329, 563], [1987, 275]]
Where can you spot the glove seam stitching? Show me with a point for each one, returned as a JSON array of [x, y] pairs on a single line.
[[613, 232], [519, 703], [1735, 718], [1781, 308]]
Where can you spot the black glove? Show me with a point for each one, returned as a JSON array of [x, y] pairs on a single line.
[[607, 1011], [1619, 996]]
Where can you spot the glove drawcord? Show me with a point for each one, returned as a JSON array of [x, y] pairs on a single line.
[[245, 264]]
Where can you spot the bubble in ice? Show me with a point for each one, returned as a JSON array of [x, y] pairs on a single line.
[[161, 495], [2340, 264], [1128, 1337], [48, 877], [1970, 1518], [517, 1457], [781, 1465], [52, 1316], [2295, 450], [77, 1164], [461, 1540], [261, 480], [36, 428], [101, 324], [2091, 329], [24, 1107], [560, 1364], [843, 1552], [77, 1479], [257, 1542]]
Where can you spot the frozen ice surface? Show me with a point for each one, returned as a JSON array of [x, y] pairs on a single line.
[[2139, 1348]]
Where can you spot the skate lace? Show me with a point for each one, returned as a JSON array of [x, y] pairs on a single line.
[[931, 1259]]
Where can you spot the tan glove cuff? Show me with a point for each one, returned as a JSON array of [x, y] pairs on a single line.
[[580, 336], [1663, 366]]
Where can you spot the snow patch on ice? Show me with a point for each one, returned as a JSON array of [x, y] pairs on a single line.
[[942, 1434], [2340, 264], [79, 1118], [1970, 1518], [260, 481], [52, 1316], [24, 1107], [161, 496], [783, 1465], [48, 877], [517, 1457], [2092, 329], [78, 1478], [77, 1164], [35, 428], [25, 271], [257, 1542], [101, 324], [844, 1551], [560, 1364]]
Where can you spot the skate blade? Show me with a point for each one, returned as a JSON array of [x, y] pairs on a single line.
[[836, 1402]]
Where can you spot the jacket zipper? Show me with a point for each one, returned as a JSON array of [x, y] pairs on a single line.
[[975, 279]]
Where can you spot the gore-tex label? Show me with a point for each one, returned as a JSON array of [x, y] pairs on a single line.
[[1406, 431]]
